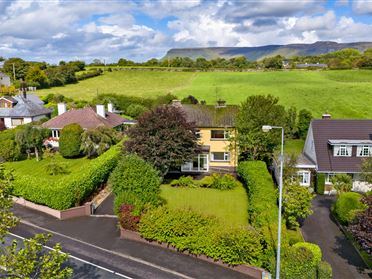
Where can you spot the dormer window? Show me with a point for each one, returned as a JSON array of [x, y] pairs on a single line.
[[364, 151], [342, 150]]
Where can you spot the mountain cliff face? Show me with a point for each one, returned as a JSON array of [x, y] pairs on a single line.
[[257, 53]]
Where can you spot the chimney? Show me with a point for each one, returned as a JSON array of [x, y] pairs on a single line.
[[100, 109], [326, 116], [110, 107], [221, 104], [61, 107], [176, 103]]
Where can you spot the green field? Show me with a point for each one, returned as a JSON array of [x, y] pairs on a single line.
[[230, 206], [344, 94]]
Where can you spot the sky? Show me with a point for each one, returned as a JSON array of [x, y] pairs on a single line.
[[55, 30]]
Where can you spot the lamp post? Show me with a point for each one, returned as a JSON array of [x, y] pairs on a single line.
[[267, 128]]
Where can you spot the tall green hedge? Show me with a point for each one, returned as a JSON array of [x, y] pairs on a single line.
[[320, 183], [347, 206], [70, 140], [70, 190], [262, 193]]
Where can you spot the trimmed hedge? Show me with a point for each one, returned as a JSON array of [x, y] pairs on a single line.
[[313, 248], [189, 231], [214, 181], [324, 270], [320, 183], [70, 140], [347, 206], [71, 190], [262, 194]]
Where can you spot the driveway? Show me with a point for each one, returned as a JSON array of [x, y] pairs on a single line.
[[319, 228]]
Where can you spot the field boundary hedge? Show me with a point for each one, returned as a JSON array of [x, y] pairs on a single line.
[[70, 190]]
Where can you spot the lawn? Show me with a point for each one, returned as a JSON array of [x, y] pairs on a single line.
[[344, 94], [230, 206]]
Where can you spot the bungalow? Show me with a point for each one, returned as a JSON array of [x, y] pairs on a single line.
[[21, 109], [336, 146], [215, 125], [87, 118]]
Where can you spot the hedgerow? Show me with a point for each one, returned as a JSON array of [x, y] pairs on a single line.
[[347, 206], [71, 190], [190, 231]]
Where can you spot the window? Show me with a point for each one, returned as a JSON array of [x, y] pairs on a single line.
[[328, 178], [220, 134], [304, 177], [199, 164], [17, 121], [342, 150], [364, 151], [198, 134], [55, 134], [220, 156]]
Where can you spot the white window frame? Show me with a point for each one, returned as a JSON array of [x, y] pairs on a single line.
[[226, 157], [342, 150], [55, 134], [328, 178], [188, 166], [304, 177], [15, 120], [364, 151], [226, 135]]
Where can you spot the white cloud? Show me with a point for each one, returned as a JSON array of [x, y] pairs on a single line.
[[362, 6]]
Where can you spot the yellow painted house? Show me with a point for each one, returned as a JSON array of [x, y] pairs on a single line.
[[215, 126]]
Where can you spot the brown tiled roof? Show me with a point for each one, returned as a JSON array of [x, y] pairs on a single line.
[[87, 118], [337, 129], [208, 116]]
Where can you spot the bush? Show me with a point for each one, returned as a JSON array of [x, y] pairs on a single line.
[[223, 182], [262, 194], [342, 182], [55, 168], [70, 140], [189, 231], [128, 198], [127, 219], [71, 190], [89, 74], [324, 270], [320, 183], [138, 177], [347, 206], [10, 150], [297, 263], [215, 181], [184, 181], [135, 110], [313, 248]]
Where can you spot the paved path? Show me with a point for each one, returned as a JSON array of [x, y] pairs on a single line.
[[106, 207], [319, 228], [97, 239]]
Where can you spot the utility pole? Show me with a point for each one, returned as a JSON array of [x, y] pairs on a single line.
[[14, 78]]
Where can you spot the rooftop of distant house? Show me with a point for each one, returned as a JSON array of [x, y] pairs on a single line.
[[23, 105]]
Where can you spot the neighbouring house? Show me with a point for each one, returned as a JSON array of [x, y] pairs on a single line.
[[21, 109], [87, 118], [214, 124], [336, 146], [4, 80], [311, 65]]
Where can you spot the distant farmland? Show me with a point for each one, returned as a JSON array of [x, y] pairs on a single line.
[[344, 94]]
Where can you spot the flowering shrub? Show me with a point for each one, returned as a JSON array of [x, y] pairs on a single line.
[[126, 218]]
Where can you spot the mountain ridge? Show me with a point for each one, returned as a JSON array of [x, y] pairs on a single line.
[[259, 52]]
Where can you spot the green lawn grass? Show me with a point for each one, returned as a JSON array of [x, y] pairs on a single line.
[[293, 146], [344, 94], [230, 206]]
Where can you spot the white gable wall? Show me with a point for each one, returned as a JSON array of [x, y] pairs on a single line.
[[309, 148]]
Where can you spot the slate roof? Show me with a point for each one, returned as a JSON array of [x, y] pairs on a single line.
[[87, 118], [337, 129], [30, 106], [209, 116]]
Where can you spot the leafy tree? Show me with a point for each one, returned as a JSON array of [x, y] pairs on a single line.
[[20, 68], [163, 137], [125, 62], [296, 203], [342, 183], [26, 259], [10, 150], [36, 77], [367, 170], [304, 119], [275, 62], [202, 63], [255, 112], [94, 142], [190, 100], [152, 62], [70, 140], [31, 138], [291, 122], [289, 169], [135, 110]]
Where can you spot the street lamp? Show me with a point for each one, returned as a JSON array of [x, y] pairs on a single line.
[[267, 128]]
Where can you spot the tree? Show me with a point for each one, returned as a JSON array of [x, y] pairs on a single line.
[[275, 62], [70, 140], [163, 137], [304, 119], [190, 100], [255, 112], [94, 142], [37, 77], [32, 138], [296, 203], [20, 68], [26, 259], [342, 183], [367, 170], [291, 122]]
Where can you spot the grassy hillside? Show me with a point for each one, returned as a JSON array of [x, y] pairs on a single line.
[[344, 94]]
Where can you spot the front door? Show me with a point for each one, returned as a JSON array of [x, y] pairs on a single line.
[[2, 124]]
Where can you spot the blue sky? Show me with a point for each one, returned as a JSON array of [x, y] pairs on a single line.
[[53, 30]]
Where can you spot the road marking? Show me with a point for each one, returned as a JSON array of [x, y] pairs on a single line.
[[109, 251], [76, 258]]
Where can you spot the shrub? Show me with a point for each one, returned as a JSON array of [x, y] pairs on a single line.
[[70, 190], [135, 110], [347, 206], [70, 140], [128, 220], [223, 182], [320, 183], [342, 183], [128, 198], [313, 248], [138, 177], [297, 263], [10, 150], [184, 181], [262, 194], [55, 168], [324, 270], [206, 181]]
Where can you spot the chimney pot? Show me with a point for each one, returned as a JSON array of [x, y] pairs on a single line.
[[110, 107], [100, 109], [326, 116], [61, 107]]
